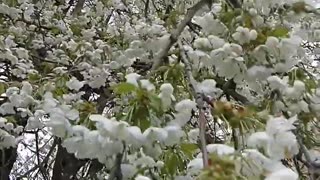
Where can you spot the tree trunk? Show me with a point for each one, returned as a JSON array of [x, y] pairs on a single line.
[[66, 165], [8, 158]]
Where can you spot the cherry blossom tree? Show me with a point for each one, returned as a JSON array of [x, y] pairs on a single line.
[[159, 89]]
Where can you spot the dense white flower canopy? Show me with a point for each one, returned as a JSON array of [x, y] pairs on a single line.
[[152, 89]]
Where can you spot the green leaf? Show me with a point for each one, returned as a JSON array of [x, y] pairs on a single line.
[[188, 149], [228, 16], [76, 29], [33, 77], [55, 30], [140, 117], [310, 84], [11, 3], [124, 88], [60, 91], [155, 103], [3, 88], [279, 31], [300, 74], [247, 20], [172, 163]]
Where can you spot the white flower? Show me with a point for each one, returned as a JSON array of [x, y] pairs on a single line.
[[114, 65], [159, 164], [175, 133], [18, 129], [88, 34], [124, 60], [146, 84], [185, 105], [187, 177], [303, 106], [13, 59], [107, 127], [202, 43], [2, 121], [34, 123], [291, 92], [12, 90], [128, 171], [259, 72], [256, 163], [155, 134], [258, 140], [276, 83], [278, 106], [253, 12], [216, 42], [136, 138], [145, 161], [155, 45], [9, 42], [26, 88], [166, 91], [272, 43], [280, 124], [210, 25], [283, 145], [181, 118], [193, 135], [98, 117], [244, 35], [140, 177], [195, 165], [207, 86], [133, 53], [253, 35], [153, 150], [220, 149], [7, 108], [132, 78], [74, 84], [299, 86], [9, 126], [22, 53], [58, 123], [6, 140], [283, 173]]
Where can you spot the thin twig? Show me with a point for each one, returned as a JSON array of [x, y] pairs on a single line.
[[200, 103], [176, 33]]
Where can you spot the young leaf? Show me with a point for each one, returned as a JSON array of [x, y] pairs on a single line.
[[188, 149], [124, 88]]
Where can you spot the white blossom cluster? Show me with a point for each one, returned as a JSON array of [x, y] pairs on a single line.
[[277, 141], [57, 58]]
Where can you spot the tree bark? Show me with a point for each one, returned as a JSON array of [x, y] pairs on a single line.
[[66, 165], [8, 158]]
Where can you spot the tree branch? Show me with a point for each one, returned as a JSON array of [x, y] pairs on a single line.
[[45, 161], [176, 33], [146, 9], [229, 89], [313, 167], [78, 7], [200, 104], [116, 173]]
